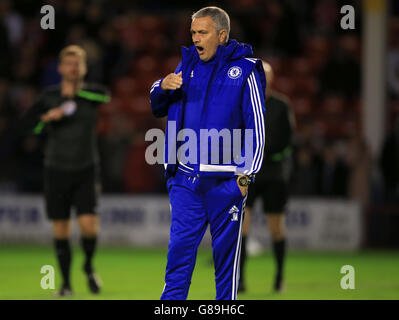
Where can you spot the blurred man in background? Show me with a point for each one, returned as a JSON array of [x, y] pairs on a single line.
[[271, 184], [68, 112], [217, 85]]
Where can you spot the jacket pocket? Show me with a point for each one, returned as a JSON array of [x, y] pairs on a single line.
[[235, 188]]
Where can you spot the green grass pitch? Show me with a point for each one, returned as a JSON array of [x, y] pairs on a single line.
[[132, 273]]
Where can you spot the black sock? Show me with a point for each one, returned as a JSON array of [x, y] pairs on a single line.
[[89, 246], [279, 254], [64, 257], [243, 257]]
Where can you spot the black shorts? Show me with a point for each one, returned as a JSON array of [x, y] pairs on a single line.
[[273, 193], [66, 189]]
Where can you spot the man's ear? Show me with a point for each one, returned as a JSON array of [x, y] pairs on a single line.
[[223, 36]]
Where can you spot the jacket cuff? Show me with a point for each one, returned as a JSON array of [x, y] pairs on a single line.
[[251, 176], [160, 90]]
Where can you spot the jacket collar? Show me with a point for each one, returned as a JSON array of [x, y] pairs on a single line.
[[233, 50]]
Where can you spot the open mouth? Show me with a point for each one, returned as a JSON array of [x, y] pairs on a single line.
[[200, 50]]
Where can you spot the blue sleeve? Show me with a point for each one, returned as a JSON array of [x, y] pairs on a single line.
[[253, 108], [160, 99]]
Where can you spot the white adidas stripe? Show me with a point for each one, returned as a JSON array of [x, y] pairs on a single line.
[[180, 168], [256, 124], [260, 121], [185, 166], [239, 252], [155, 83], [254, 109], [154, 88], [251, 59], [262, 124], [217, 168], [236, 266]]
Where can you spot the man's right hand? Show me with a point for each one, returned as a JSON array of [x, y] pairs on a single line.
[[172, 81]]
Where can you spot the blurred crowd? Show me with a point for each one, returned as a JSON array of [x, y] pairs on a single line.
[[131, 44]]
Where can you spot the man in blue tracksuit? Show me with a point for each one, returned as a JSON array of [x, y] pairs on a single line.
[[218, 86]]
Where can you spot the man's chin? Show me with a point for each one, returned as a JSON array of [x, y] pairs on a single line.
[[207, 57]]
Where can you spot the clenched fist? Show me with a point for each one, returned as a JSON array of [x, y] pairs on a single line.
[[172, 81]]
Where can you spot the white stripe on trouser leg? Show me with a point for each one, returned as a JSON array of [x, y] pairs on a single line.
[[236, 266], [239, 251], [164, 288]]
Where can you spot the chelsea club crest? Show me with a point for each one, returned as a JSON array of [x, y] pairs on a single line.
[[234, 72]]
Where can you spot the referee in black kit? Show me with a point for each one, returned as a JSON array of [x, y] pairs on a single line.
[[271, 184], [68, 114]]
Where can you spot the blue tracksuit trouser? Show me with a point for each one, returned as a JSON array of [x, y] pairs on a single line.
[[195, 203]]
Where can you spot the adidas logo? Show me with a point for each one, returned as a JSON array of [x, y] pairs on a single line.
[[234, 213]]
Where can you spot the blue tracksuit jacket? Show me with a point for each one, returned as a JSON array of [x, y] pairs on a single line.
[[233, 99], [226, 92]]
